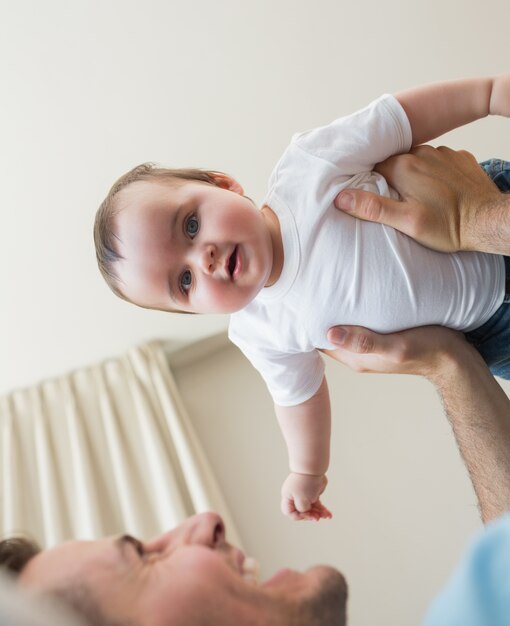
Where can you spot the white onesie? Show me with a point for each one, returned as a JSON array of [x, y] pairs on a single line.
[[340, 270]]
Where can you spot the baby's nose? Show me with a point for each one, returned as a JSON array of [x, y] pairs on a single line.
[[209, 259]]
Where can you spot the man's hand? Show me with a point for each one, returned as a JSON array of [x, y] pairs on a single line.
[[423, 351], [477, 407], [448, 202], [300, 497]]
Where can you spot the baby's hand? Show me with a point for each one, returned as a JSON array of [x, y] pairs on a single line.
[[300, 497]]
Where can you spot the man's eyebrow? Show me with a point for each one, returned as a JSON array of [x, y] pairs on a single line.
[[122, 541]]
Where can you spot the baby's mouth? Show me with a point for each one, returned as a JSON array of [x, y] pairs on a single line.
[[232, 262]]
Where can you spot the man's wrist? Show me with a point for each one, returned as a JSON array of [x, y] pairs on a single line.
[[450, 361], [486, 226]]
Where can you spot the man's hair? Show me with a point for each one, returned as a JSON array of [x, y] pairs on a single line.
[[105, 237], [15, 554]]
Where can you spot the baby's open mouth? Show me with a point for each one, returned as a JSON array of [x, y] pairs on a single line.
[[232, 262]]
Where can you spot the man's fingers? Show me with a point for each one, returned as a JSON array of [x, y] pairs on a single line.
[[369, 206], [355, 339]]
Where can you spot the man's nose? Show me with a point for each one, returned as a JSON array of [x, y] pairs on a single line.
[[205, 529]]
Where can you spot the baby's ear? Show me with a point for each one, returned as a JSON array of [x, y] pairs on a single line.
[[227, 182]]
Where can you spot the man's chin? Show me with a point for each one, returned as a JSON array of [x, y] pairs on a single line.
[[319, 594], [328, 604]]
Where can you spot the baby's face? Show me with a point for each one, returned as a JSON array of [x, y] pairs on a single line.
[[191, 246]]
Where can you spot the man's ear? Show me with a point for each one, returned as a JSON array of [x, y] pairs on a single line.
[[227, 182]]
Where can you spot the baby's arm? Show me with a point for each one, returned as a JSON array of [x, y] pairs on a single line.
[[306, 428], [440, 107]]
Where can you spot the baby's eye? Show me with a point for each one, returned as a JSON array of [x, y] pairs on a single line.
[[191, 226], [185, 281]]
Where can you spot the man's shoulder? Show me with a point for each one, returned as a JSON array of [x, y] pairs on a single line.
[[478, 592]]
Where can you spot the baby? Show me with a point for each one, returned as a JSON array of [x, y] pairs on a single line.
[[189, 241]]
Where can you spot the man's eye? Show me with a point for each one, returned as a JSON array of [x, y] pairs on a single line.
[[191, 226], [140, 548], [185, 281], [136, 543]]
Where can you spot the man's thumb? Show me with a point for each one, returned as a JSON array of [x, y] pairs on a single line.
[[363, 204]]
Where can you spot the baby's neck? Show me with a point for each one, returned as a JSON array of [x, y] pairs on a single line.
[[273, 225]]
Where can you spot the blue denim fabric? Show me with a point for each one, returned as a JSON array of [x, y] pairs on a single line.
[[492, 339], [499, 171]]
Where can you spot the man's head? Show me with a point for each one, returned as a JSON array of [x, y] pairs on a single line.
[[182, 240], [189, 576]]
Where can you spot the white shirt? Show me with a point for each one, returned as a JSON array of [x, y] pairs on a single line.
[[340, 270]]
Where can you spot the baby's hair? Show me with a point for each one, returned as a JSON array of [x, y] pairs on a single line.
[[105, 237]]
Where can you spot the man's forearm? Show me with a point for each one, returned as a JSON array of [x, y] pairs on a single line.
[[479, 412]]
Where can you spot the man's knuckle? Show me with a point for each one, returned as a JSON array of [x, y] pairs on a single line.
[[416, 225], [403, 350], [372, 208], [364, 344], [406, 164], [421, 150], [400, 355]]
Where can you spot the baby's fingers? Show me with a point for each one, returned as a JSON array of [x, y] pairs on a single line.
[[289, 509], [320, 511]]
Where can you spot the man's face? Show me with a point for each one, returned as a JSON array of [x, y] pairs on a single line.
[[188, 576], [191, 246]]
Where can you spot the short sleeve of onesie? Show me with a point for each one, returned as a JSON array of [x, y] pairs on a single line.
[[291, 378], [478, 593], [356, 142]]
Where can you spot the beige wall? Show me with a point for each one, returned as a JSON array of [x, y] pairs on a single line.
[[90, 88]]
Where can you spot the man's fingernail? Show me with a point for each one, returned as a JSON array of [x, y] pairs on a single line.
[[337, 335], [345, 201]]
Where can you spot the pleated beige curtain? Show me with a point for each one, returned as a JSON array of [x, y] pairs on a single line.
[[106, 449]]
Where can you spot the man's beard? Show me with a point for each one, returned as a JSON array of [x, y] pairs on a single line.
[[327, 606]]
